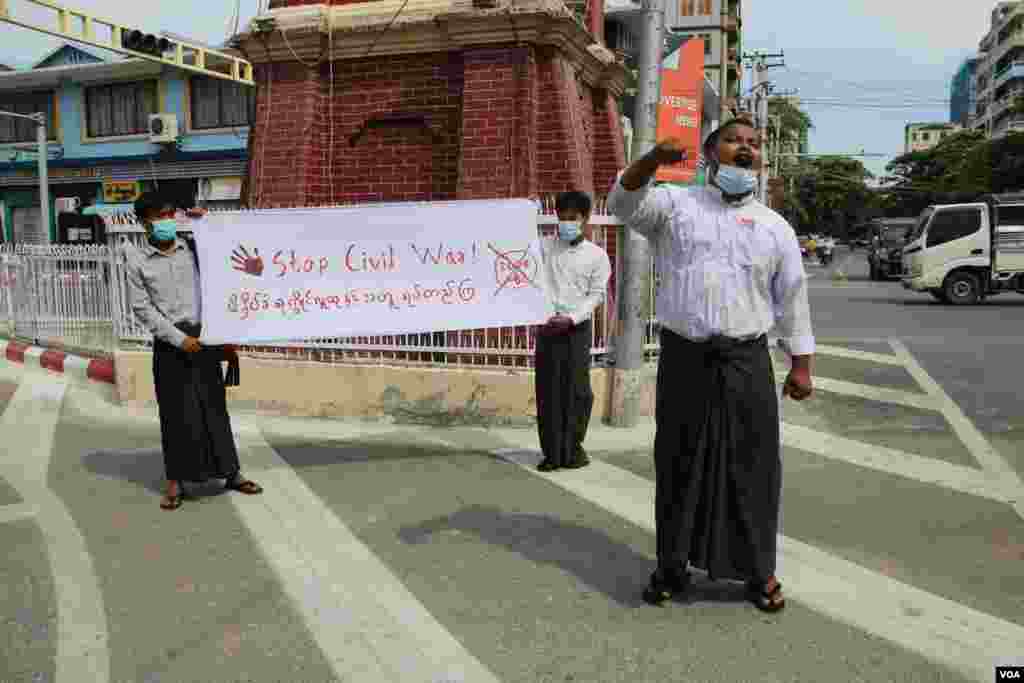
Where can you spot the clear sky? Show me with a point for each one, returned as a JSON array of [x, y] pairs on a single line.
[[877, 63]]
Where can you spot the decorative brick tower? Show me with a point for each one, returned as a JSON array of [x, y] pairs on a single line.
[[447, 99]]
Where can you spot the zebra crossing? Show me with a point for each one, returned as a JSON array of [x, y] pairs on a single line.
[[386, 552]]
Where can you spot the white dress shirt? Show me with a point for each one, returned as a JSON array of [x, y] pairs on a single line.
[[164, 289], [575, 277], [729, 270]]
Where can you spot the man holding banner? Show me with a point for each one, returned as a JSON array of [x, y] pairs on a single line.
[[164, 289], [731, 271], [576, 273]]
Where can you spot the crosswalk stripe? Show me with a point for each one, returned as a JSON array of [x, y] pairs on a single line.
[[987, 456], [17, 512], [871, 393], [944, 631], [365, 621], [892, 461], [30, 422], [856, 354]]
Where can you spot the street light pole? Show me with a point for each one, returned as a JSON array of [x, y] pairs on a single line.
[[44, 181], [634, 254]]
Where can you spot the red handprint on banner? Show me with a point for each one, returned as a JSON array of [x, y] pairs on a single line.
[[246, 263]]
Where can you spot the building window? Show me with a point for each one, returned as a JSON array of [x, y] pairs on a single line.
[[705, 7], [687, 8], [914, 137], [706, 37], [120, 109], [925, 137], [14, 130], [217, 103]]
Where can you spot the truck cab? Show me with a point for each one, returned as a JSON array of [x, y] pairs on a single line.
[[963, 253]]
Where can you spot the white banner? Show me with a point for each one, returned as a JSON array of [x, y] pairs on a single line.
[[278, 275]]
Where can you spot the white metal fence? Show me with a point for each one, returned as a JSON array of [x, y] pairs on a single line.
[[78, 297], [58, 295]]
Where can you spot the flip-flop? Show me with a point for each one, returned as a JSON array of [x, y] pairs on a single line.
[[766, 601], [247, 487], [171, 502]]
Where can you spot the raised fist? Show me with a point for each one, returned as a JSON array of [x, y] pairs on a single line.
[[669, 151]]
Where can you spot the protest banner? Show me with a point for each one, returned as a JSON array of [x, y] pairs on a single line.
[[279, 275]]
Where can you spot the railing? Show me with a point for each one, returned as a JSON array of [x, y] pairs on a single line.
[[78, 297], [58, 295]]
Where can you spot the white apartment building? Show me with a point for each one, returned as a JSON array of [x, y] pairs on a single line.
[[999, 76]]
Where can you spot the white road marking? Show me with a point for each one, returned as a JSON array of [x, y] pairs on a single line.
[[986, 455], [870, 393], [17, 512], [891, 461], [944, 631], [29, 424], [842, 352], [365, 621]]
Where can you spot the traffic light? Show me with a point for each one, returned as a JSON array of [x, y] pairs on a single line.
[[146, 43]]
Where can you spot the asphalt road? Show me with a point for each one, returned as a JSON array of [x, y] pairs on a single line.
[[388, 552]]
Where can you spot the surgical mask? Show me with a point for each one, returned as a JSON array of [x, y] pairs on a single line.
[[569, 231], [165, 230], [734, 180]]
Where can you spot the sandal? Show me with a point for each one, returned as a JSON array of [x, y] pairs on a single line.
[[245, 486], [766, 600], [663, 588], [173, 502]]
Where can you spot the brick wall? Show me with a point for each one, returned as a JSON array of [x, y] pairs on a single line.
[[505, 121]]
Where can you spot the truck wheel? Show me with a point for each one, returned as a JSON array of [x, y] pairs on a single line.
[[962, 289]]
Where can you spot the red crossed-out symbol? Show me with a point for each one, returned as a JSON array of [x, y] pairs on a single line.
[[510, 269]]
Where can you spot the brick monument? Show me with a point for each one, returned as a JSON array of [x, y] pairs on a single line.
[[447, 99]]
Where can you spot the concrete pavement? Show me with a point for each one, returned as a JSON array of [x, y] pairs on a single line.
[[397, 552]]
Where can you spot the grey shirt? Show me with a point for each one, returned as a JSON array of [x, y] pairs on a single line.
[[164, 289]]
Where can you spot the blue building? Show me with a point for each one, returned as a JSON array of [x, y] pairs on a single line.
[[116, 128], [962, 92]]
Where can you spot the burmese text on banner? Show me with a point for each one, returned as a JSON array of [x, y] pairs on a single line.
[[292, 274]]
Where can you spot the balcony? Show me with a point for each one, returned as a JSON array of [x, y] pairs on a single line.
[[1009, 72], [731, 23]]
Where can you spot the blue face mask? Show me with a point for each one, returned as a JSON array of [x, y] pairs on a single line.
[[569, 231], [165, 230], [734, 180]]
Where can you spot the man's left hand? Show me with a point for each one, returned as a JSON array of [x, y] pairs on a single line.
[[798, 384]]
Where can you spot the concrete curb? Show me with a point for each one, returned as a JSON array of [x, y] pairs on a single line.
[[90, 369]]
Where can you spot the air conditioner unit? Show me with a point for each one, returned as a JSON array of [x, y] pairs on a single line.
[[163, 128]]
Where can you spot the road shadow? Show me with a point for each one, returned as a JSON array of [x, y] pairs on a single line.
[[601, 562], [301, 454], [144, 467], [932, 303]]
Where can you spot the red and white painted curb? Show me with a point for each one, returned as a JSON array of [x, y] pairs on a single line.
[[94, 369]]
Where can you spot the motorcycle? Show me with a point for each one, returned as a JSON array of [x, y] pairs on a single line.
[[825, 254]]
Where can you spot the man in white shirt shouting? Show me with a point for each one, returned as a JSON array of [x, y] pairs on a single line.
[[576, 273], [730, 270]]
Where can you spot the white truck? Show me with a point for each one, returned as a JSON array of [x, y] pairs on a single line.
[[963, 253]]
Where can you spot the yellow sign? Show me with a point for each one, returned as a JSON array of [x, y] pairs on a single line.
[[120, 192]]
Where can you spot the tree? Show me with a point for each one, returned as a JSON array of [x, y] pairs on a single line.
[[828, 195], [787, 121]]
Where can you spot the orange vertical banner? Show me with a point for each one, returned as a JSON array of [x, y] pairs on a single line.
[[680, 106]]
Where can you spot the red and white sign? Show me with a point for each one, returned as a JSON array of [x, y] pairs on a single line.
[[680, 107]]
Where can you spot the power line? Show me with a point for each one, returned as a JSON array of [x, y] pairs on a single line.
[[862, 85]]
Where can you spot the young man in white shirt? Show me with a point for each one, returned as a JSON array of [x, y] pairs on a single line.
[[731, 271], [576, 273]]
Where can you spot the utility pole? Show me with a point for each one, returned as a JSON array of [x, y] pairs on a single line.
[[634, 280], [761, 89], [43, 149]]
